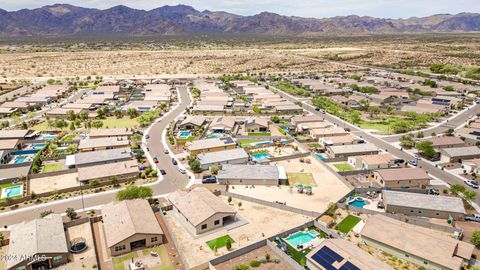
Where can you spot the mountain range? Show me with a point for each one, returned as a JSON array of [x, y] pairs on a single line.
[[67, 20]]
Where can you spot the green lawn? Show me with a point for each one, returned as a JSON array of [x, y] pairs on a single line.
[[246, 143], [314, 145], [219, 242], [382, 128], [118, 261], [113, 122], [344, 167], [303, 138], [301, 178], [347, 223], [52, 167], [298, 256], [68, 138], [162, 252], [44, 126], [259, 134]]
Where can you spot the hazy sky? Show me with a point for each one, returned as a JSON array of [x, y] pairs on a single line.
[[304, 8]]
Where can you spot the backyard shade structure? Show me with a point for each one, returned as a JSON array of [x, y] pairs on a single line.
[[236, 174], [341, 254], [416, 204], [130, 224], [201, 209], [416, 244], [40, 237]]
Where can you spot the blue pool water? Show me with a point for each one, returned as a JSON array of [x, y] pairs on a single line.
[[358, 202], [301, 238], [20, 159], [185, 134], [320, 156], [13, 191], [48, 137], [260, 156], [37, 146]]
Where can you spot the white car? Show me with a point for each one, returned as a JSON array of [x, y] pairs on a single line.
[[182, 171], [471, 184]]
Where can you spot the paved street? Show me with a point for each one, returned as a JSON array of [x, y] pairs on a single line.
[[380, 143], [172, 181]]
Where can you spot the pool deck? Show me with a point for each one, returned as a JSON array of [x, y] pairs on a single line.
[[4, 194]]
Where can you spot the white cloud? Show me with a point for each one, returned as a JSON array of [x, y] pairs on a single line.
[[304, 8]]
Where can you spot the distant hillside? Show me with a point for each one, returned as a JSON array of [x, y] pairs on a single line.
[[68, 20]]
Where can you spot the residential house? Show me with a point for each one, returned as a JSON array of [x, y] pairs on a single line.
[[10, 144], [371, 162], [342, 254], [300, 119], [219, 158], [458, 154], [84, 159], [347, 139], [38, 238], [423, 205], [201, 210], [446, 142], [224, 125], [122, 170], [401, 178], [129, 225], [327, 132], [419, 245], [257, 125], [235, 174], [103, 143], [345, 151], [110, 132], [210, 145], [472, 166], [191, 123]]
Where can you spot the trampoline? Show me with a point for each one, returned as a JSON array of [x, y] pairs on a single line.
[[78, 245]]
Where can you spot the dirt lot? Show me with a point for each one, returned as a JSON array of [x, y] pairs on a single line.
[[256, 255], [85, 259], [328, 187], [262, 221], [58, 182]]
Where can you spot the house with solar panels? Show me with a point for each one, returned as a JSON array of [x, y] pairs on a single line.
[[340, 254]]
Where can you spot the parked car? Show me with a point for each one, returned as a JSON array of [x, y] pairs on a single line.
[[182, 171], [163, 172], [433, 191], [143, 168], [209, 179], [412, 162], [166, 151], [147, 137], [474, 217], [471, 184], [155, 159], [398, 161], [174, 161], [435, 159]]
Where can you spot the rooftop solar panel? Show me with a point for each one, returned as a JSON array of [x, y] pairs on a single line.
[[320, 260], [348, 266], [332, 254]]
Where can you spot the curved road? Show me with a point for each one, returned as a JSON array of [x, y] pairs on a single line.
[[172, 181], [382, 144]]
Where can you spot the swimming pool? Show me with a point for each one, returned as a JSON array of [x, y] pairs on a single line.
[[20, 159], [260, 156], [357, 202], [320, 156], [301, 238], [37, 146], [48, 137], [12, 191], [185, 134]]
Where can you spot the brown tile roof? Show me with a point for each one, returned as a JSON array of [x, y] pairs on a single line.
[[402, 174]]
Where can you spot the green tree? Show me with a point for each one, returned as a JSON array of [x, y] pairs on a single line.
[[132, 112], [118, 113], [94, 183], [476, 238], [97, 124], [134, 192], [426, 149], [83, 116], [355, 117], [449, 132], [71, 115], [71, 213], [195, 165], [469, 195], [228, 244], [275, 119], [214, 169]]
